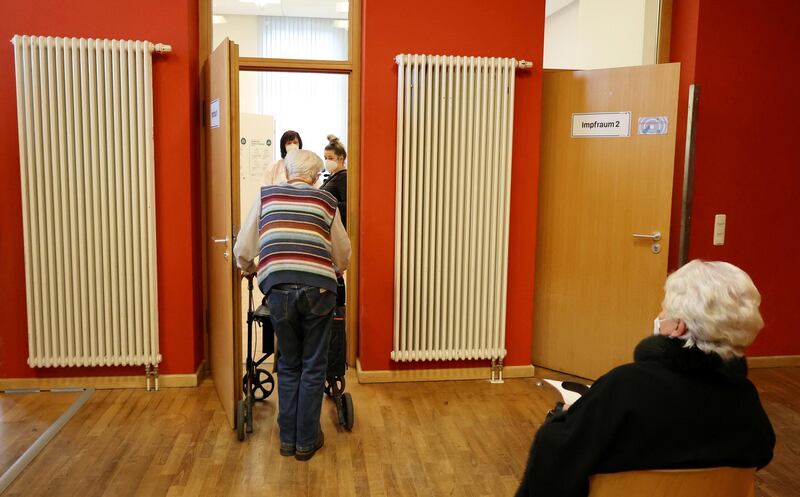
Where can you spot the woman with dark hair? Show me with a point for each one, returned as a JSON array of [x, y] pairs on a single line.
[[336, 184], [275, 173]]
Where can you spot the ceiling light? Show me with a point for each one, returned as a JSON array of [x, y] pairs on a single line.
[[218, 19], [342, 6]]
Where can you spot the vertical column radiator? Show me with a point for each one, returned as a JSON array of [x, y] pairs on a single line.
[[454, 139], [85, 116]]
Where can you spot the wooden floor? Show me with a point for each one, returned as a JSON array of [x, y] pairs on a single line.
[[779, 389], [23, 418], [415, 439]]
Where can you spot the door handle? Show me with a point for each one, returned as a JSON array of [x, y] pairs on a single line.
[[656, 236], [223, 241]]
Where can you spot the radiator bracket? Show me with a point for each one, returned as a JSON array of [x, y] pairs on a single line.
[[151, 372], [497, 371]]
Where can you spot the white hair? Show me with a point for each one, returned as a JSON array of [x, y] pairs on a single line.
[[718, 302], [304, 164]]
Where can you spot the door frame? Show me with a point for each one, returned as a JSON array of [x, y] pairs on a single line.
[[351, 67]]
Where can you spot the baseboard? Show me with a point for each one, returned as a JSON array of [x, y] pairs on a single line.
[[774, 361], [454, 374], [107, 382]]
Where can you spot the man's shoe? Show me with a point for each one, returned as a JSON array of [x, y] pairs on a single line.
[[287, 450], [305, 455]]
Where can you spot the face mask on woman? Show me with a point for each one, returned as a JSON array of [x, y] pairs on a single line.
[[291, 146], [656, 326], [330, 165]]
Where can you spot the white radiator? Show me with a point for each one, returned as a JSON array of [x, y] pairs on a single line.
[[85, 117], [454, 136]]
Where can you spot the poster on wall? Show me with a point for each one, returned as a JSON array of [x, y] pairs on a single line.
[[256, 145], [255, 156], [601, 124]]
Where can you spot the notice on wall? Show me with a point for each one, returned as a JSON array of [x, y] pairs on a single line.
[[653, 125], [214, 113], [255, 156], [601, 125], [256, 146]]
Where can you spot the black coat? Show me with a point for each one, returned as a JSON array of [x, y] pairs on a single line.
[[336, 184], [671, 408]]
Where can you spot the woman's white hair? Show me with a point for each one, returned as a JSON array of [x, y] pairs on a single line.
[[304, 164], [718, 302]]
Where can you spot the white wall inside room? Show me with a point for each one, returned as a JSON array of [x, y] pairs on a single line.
[[561, 44], [243, 30], [281, 28], [594, 34]]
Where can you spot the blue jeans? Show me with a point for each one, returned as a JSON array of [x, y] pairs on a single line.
[[301, 316]]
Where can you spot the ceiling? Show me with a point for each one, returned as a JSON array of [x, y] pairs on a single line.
[[553, 6], [291, 8]]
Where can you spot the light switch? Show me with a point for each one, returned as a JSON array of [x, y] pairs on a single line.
[[719, 229]]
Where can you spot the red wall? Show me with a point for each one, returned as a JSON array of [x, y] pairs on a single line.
[[448, 27], [175, 80], [746, 163], [683, 49]]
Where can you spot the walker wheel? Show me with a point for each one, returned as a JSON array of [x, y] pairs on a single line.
[[340, 384], [263, 385], [349, 413], [240, 414], [249, 417]]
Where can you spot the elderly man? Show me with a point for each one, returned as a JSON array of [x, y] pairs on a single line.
[[685, 401], [296, 231]]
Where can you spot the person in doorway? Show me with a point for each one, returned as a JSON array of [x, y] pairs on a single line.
[[296, 232], [275, 173], [336, 184], [685, 402], [335, 165]]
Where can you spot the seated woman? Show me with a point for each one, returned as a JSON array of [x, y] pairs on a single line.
[[685, 401]]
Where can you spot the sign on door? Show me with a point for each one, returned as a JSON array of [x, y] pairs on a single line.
[[601, 125]]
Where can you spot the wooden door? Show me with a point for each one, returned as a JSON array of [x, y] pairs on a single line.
[[222, 207], [598, 287]]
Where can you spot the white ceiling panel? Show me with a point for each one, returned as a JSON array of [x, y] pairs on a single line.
[[328, 9]]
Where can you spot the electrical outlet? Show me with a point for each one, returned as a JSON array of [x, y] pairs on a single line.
[[719, 229]]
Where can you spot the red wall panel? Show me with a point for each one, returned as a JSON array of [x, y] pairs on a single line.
[[446, 27], [175, 80], [746, 163]]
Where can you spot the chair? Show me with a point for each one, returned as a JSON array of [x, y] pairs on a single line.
[[712, 482]]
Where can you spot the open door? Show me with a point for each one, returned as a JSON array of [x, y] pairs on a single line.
[[598, 285], [222, 207]]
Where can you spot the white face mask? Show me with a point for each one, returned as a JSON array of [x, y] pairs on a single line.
[[330, 165], [656, 326], [291, 146]]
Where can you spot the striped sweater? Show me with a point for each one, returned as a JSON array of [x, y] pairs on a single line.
[[294, 228]]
